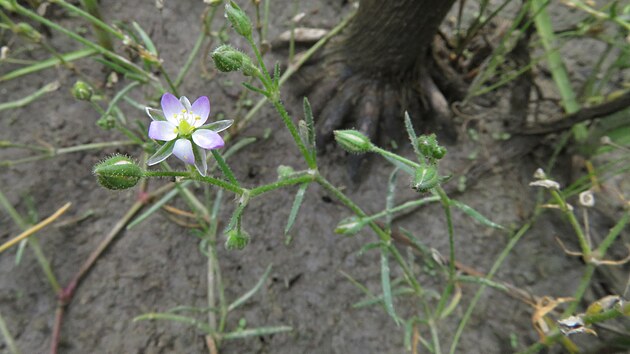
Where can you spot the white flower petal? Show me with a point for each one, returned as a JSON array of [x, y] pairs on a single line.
[[207, 139], [171, 107], [201, 110], [162, 130], [183, 151]]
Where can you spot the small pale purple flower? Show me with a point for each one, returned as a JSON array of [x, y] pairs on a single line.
[[181, 125]]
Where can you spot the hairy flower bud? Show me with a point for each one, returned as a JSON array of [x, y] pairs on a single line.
[[82, 91], [118, 172], [227, 59], [239, 20], [236, 239], [429, 147], [353, 141], [426, 177]]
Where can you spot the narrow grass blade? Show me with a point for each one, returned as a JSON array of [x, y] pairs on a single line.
[[256, 332], [122, 93], [556, 65], [297, 203], [476, 215], [148, 43], [389, 201], [310, 127], [48, 63], [385, 282], [8, 338], [373, 300], [412, 136], [176, 318], [50, 87], [155, 207], [241, 300]]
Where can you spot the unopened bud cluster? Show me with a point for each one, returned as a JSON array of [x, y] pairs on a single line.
[[429, 147]]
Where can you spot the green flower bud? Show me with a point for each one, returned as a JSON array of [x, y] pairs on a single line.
[[82, 91], [236, 240], [426, 177], [239, 20], [28, 31], [228, 59], [118, 172], [350, 226], [285, 172], [353, 141], [428, 146], [106, 123]]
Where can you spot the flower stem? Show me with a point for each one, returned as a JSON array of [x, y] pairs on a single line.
[[282, 183], [586, 248], [187, 175], [224, 167], [397, 157]]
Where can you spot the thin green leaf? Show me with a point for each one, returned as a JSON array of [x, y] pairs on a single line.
[[110, 64], [148, 43], [297, 202], [48, 63], [310, 127], [255, 89], [176, 318], [559, 73], [389, 201], [49, 87], [385, 282], [476, 215], [117, 98], [256, 332], [412, 136], [276, 75], [155, 207], [236, 216], [241, 300]]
